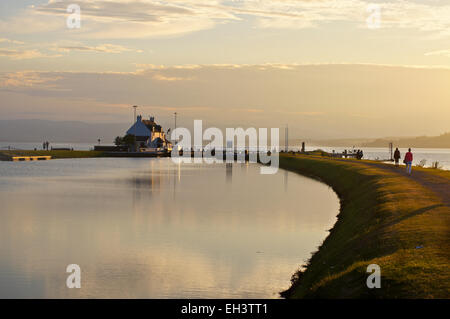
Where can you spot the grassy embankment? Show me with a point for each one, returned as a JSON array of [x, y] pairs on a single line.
[[53, 154], [384, 216]]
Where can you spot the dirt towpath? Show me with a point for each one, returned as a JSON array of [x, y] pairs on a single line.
[[440, 185]]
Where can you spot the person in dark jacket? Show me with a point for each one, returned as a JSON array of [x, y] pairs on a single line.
[[397, 156]]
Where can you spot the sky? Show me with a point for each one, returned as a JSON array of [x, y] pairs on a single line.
[[326, 68]]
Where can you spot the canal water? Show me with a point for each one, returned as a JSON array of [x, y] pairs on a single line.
[[150, 228]]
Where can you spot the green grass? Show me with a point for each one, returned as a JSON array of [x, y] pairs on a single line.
[[384, 217], [54, 154]]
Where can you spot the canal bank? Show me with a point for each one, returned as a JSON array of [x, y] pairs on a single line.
[[398, 222], [68, 154], [54, 154]]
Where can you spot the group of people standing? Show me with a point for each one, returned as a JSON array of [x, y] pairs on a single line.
[[407, 160], [45, 145]]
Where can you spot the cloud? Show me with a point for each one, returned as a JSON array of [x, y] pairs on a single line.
[[143, 66], [240, 110], [161, 77], [28, 79], [19, 54], [304, 113], [149, 18], [4, 40], [22, 52], [121, 19], [312, 97], [299, 14], [426, 16], [445, 53], [102, 48], [17, 50]]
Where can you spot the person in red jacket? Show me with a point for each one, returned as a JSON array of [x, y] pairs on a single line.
[[408, 161]]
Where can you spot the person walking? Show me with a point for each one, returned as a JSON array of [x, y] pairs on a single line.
[[397, 156], [408, 161]]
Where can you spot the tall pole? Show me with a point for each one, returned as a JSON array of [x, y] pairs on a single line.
[[287, 138], [175, 115], [134, 122], [391, 147]]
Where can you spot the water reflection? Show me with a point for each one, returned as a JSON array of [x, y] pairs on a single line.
[[154, 229], [229, 172], [286, 174]]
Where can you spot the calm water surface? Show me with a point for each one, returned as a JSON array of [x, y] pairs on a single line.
[[149, 228]]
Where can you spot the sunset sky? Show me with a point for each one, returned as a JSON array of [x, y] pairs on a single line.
[[320, 66]]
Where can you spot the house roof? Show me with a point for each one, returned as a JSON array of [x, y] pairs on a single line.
[[151, 124], [139, 129]]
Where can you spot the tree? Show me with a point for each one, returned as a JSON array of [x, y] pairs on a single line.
[[129, 140], [118, 141]]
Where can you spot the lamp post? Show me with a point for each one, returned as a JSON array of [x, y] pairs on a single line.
[[134, 123], [175, 115], [286, 138]]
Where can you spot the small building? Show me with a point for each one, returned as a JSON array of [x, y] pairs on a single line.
[[149, 135]]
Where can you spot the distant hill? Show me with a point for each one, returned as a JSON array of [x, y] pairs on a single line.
[[442, 141], [347, 142], [59, 131], [82, 132]]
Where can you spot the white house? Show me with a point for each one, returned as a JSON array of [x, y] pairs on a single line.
[[148, 134]]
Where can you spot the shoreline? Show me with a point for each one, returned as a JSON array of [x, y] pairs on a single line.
[[7, 155], [385, 218], [58, 154]]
